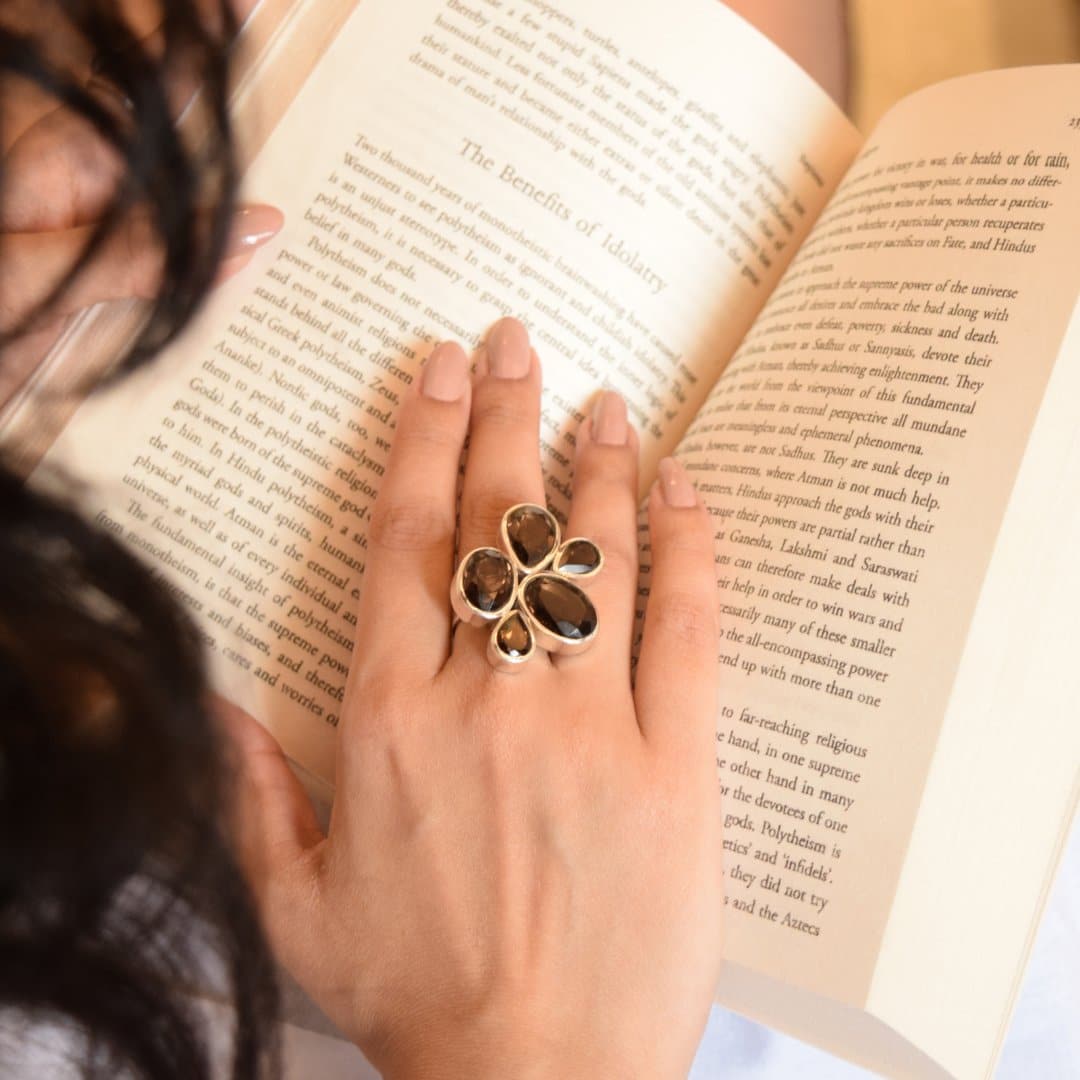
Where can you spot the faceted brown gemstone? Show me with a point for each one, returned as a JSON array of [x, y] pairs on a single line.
[[578, 557], [533, 535], [488, 580], [514, 638], [559, 606]]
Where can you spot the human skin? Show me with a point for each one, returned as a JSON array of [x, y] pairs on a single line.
[[522, 874], [59, 177]]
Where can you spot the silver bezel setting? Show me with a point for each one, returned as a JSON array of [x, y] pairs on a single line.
[[508, 547], [499, 659], [569, 574], [466, 612], [547, 639], [541, 636]]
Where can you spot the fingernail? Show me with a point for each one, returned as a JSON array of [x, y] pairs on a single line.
[[251, 227], [609, 420], [446, 373], [107, 92], [508, 352], [675, 485]]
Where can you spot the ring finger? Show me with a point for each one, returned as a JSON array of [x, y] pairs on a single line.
[[604, 510]]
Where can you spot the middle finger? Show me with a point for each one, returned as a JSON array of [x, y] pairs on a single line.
[[503, 463], [503, 466]]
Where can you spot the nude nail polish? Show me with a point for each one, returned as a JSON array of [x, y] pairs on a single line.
[[509, 355], [446, 373], [675, 485], [609, 427], [251, 227], [109, 94]]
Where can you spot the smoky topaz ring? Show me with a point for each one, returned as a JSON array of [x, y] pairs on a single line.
[[527, 591]]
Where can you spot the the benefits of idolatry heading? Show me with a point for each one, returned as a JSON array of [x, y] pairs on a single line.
[[552, 202]]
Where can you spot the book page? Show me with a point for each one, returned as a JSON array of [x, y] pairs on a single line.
[[858, 455], [629, 182], [1005, 777]]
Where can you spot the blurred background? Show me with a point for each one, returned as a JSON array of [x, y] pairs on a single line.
[[898, 47]]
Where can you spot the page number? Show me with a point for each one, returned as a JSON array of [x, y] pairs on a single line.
[[1074, 123]]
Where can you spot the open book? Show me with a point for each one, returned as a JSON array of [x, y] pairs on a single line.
[[865, 352]]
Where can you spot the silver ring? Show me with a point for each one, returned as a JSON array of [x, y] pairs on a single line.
[[527, 590]]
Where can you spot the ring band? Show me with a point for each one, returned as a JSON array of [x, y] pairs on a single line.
[[527, 589]]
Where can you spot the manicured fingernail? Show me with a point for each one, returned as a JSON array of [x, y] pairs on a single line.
[[609, 420], [108, 93], [508, 353], [675, 485], [251, 227], [446, 373]]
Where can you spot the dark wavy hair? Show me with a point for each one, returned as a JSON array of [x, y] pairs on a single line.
[[119, 892]]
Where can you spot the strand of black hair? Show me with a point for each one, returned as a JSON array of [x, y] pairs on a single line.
[[117, 877]]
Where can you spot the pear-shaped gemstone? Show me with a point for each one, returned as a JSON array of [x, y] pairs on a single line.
[[533, 535], [513, 637], [488, 580], [559, 606], [580, 557]]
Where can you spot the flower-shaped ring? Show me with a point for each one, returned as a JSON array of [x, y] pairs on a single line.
[[527, 590]]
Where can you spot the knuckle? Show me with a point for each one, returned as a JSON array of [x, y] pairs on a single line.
[[426, 436], [607, 466], [501, 408], [375, 712], [685, 616], [368, 693], [692, 541], [486, 508], [620, 559], [410, 525]]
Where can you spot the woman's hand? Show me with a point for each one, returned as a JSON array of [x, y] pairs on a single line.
[[59, 178], [522, 876]]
